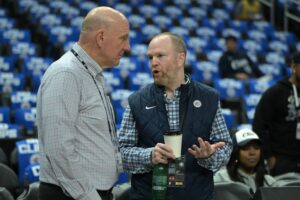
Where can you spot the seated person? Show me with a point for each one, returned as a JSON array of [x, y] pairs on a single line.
[[248, 10], [237, 65], [246, 164]]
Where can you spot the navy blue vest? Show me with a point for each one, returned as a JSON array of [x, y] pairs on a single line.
[[197, 122]]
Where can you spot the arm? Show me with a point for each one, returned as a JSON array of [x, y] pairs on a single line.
[[213, 156], [135, 159], [261, 122], [60, 104]]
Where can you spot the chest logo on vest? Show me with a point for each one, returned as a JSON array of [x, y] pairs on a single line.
[[197, 103], [149, 107]]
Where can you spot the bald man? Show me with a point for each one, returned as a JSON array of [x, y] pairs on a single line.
[[79, 151]]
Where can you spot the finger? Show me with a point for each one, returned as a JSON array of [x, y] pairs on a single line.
[[165, 150], [201, 142], [217, 145], [193, 152]]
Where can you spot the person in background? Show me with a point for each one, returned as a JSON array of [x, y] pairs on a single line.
[[173, 102], [235, 64], [246, 164], [79, 152], [277, 122], [248, 10]]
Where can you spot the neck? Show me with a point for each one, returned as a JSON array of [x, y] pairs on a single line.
[[249, 171], [173, 86]]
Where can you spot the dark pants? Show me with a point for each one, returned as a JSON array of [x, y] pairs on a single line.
[[285, 164], [52, 192]]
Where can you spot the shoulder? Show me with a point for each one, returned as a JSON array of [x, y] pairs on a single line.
[[222, 175], [204, 89]]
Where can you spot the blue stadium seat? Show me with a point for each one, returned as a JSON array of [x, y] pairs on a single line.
[[36, 82], [4, 114], [273, 70], [24, 5], [62, 34], [86, 6], [136, 21], [36, 65], [229, 31], [206, 32], [10, 82], [26, 118], [120, 98], [7, 63], [198, 45], [285, 37], [251, 101], [113, 81], [264, 27], [8, 130], [139, 80], [214, 56], [275, 58], [15, 35], [220, 14], [23, 99], [250, 115], [244, 126], [257, 35], [149, 31], [162, 21], [189, 23], [216, 24], [239, 25], [32, 173], [76, 22], [23, 49], [205, 71], [229, 118], [257, 86], [148, 11], [230, 88], [197, 13], [124, 8], [252, 46], [7, 23], [173, 12], [279, 47], [49, 21], [37, 11], [27, 153]]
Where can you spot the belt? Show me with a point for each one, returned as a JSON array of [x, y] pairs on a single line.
[[102, 193]]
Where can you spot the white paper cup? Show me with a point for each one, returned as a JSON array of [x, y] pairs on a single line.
[[174, 140]]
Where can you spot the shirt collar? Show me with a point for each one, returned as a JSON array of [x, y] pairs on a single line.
[[177, 90], [93, 67]]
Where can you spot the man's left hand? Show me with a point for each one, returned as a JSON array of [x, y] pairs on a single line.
[[205, 149]]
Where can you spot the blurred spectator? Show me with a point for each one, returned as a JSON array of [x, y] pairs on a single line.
[[246, 164], [248, 10], [235, 64], [277, 122]]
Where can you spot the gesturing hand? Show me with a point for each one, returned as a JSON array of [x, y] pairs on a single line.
[[204, 150], [161, 153]]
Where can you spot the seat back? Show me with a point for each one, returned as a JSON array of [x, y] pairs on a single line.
[[31, 193], [8, 178], [231, 191], [5, 194], [277, 193]]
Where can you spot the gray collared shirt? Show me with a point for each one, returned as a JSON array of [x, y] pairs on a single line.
[[77, 151]]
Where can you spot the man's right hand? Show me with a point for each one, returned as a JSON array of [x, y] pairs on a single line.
[[161, 153]]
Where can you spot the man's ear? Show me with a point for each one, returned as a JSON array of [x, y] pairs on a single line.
[[100, 37], [181, 58]]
